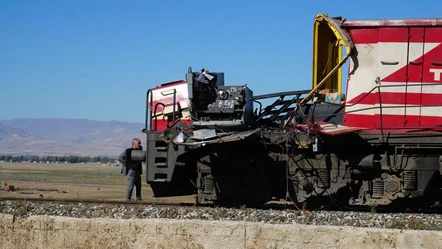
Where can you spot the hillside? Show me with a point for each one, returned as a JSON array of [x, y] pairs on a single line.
[[58, 136]]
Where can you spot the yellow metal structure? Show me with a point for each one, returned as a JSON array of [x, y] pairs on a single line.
[[328, 41]]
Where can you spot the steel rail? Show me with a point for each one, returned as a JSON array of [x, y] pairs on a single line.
[[100, 202]]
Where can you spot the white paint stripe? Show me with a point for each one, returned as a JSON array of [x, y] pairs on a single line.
[[356, 109], [430, 111], [181, 90], [390, 53], [416, 49], [393, 52], [411, 87], [181, 93], [434, 111], [369, 65]]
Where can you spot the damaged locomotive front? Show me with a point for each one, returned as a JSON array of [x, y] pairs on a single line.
[[326, 145]]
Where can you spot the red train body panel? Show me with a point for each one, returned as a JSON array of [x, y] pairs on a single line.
[[394, 79], [162, 102]]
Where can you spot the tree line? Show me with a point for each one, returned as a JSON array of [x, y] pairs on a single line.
[[59, 159]]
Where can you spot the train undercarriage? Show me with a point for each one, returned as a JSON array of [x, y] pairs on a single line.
[[270, 166]]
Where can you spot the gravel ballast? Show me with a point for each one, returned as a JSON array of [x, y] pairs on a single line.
[[334, 218]]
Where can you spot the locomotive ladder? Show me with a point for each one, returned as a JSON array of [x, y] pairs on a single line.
[[159, 165], [279, 109]]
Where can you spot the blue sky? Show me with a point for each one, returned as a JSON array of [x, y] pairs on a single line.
[[97, 59]]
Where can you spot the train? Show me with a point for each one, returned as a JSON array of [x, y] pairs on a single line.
[[375, 141]]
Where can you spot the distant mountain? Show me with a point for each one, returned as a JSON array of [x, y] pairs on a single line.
[[59, 136], [9, 132]]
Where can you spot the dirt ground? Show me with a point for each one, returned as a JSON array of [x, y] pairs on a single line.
[[70, 181]]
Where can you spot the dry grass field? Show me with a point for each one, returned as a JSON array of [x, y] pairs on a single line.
[[70, 181]]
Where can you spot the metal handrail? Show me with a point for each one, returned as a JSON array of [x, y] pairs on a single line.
[[148, 110], [380, 106], [174, 104], [148, 125], [155, 113]]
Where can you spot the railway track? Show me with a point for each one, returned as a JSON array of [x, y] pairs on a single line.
[[268, 206], [272, 205], [283, 213], [276, 206], [89, 201]]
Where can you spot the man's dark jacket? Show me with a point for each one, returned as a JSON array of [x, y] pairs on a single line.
[[127, 164]]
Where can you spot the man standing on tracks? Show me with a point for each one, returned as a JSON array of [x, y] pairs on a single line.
[[133, 170]]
